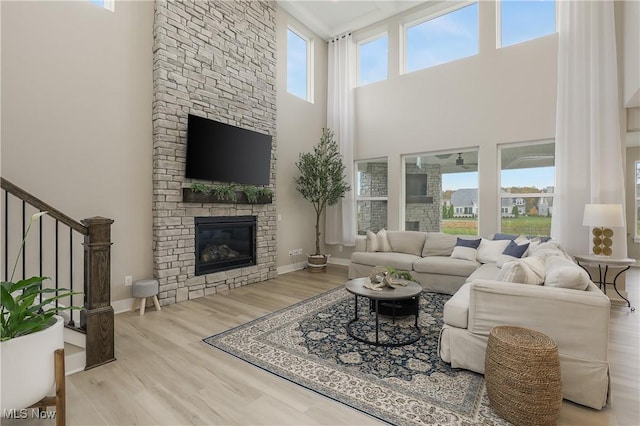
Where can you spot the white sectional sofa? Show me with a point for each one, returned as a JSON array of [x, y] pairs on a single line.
[[545, 291]]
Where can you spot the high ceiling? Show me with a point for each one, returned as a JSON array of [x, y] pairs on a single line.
[[329, 18]]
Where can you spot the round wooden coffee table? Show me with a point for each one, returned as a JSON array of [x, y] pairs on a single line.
[[411, 291]]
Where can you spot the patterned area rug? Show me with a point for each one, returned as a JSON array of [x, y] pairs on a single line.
[[307, 344]]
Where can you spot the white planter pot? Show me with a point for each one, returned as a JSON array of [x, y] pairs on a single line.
[[27, 369]]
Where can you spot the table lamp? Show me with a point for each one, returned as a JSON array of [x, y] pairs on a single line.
[[603, 217]]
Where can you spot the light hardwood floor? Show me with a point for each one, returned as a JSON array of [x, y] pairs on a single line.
[[165, 374]]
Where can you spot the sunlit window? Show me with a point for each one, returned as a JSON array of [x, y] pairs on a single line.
[[526, 188], [441, 192], [442, 39], [298, 65], [371, 195], [373, 60], [523, 20]]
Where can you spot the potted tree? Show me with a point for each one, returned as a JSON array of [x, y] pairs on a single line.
[[30, 332], [322, 182]]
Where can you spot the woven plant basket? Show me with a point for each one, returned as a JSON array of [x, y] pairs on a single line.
[[522, 375], [317, 263]]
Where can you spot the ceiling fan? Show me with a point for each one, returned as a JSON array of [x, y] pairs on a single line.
[[460, 162]]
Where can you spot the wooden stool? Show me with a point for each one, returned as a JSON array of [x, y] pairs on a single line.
[[143, 289], [522, 375]]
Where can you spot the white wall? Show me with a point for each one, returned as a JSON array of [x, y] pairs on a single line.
[[498, 96], [299, 126], [76, 117]]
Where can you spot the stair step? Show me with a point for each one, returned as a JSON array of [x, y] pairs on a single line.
[[74, 337], [75, 358]]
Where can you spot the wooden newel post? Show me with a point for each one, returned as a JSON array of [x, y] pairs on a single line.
[[97, 318]]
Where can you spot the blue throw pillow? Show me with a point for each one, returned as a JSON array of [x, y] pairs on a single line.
[[461, 242], [499, 236], [516, 250]]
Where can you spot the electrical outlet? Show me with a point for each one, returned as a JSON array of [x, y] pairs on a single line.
[[291, 252], [128, 281], [299, 251]]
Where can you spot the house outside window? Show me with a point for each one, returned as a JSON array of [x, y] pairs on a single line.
[[373, 58], [299, 66], [526, 187], [440, 39], [524, 20], [441, 192], [371, 195]]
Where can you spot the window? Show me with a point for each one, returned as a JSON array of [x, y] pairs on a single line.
[[371, 195], [527, 178], [443, 39], [441, 192], [372, 60], [637, 200], [298, 65], [107, 4], [523, 20]]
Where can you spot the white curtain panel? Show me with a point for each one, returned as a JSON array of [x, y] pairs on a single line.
[[589, 150], [340, 226]]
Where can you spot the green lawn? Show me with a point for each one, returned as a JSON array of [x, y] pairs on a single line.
[[524, 225]]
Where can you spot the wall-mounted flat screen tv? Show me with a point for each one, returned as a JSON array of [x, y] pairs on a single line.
[[224, 153]]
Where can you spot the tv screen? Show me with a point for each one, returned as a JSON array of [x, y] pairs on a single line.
[[224, 153]]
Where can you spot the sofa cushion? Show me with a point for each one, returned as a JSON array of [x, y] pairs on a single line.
[[456, 310], [410, 242], [563, 273], [397, 260], [444, 265], [489, 250], [525, 271], [466, 249], [487, 271], [438, 244]]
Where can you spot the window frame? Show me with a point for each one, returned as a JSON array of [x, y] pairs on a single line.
[[356, 179], [636, 197], [499, 26], [378, 35], [500, 196], [429, 14], [309, 74]]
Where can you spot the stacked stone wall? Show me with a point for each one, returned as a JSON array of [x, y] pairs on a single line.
[[216, 60]]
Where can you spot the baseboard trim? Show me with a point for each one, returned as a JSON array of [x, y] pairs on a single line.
[[120, 306], [290, 268], [339, 261]]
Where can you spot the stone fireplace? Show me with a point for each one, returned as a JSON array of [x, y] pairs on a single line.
[[214, 60]]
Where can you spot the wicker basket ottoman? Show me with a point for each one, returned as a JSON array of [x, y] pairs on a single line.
[[522, 375]]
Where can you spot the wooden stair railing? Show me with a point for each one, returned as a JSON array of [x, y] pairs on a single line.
[[97, 315]]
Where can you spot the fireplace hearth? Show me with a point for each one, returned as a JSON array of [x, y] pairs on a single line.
[[224, 243]]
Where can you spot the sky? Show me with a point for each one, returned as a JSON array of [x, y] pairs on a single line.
[[539, 177]]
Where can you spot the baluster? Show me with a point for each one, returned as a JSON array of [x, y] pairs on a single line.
[[24, 247], [71, 322], [6, 237]]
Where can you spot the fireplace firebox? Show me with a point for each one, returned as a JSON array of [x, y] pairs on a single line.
[[224, 243]]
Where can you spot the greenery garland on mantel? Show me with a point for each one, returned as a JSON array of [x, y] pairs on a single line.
[[227, 193]]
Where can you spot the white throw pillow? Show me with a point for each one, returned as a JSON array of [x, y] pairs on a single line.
[[504, 258], [563, 273], [490, 250], [524, 271], [383, 241], [466, 249], [372, 242]]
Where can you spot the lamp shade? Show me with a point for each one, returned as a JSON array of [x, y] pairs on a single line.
[[603, 215]]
